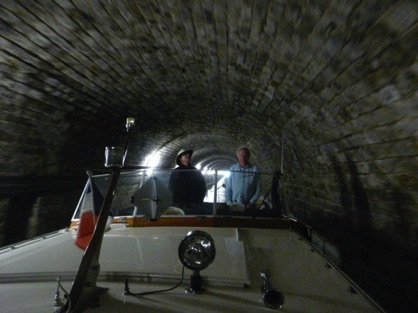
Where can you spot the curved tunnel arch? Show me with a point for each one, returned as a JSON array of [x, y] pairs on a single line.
[[336, 82]]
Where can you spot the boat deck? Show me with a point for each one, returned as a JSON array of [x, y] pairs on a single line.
[[148, 257]]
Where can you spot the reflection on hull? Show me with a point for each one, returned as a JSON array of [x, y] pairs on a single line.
[[148, 257], [261, 263]]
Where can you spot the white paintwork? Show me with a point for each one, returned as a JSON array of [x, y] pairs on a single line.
[[153, 252], [150, 252], [56, 253], [296, 270]]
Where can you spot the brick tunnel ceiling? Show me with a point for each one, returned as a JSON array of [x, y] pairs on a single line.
[[207, 75]]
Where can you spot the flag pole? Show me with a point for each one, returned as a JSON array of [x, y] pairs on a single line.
[[84, 289]]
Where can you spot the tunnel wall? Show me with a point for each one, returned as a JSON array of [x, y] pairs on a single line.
[[360, 194], [337, 80]]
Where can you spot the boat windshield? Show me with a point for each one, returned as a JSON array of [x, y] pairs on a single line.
[[148, 193]]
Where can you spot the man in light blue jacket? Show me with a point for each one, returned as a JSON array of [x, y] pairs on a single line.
[[243, 186]]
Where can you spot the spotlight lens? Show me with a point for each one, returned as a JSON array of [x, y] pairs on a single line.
[[197, 250]]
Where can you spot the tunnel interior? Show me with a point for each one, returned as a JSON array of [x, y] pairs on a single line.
[[323, 91]]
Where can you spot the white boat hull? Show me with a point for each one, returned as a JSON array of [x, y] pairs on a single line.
[[148, 258]]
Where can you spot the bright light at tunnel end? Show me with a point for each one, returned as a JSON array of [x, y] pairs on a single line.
[[152, 160], [207, 171]]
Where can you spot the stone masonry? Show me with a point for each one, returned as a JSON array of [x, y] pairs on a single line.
[[333, 83]]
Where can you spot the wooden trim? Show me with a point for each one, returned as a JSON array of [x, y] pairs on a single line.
[[207, 221], [203, 221]]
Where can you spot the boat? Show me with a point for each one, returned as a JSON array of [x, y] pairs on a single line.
[[139, 254]]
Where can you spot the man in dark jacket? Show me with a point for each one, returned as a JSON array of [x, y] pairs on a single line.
[[187, 184]]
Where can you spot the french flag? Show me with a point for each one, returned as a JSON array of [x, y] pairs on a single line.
[[89, 214]]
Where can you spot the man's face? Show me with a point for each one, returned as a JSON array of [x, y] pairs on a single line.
[[185, 159], [243, 157]]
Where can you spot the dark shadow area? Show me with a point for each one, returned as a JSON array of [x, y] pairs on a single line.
[[380, 262], [51, 202], [18, 213]]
